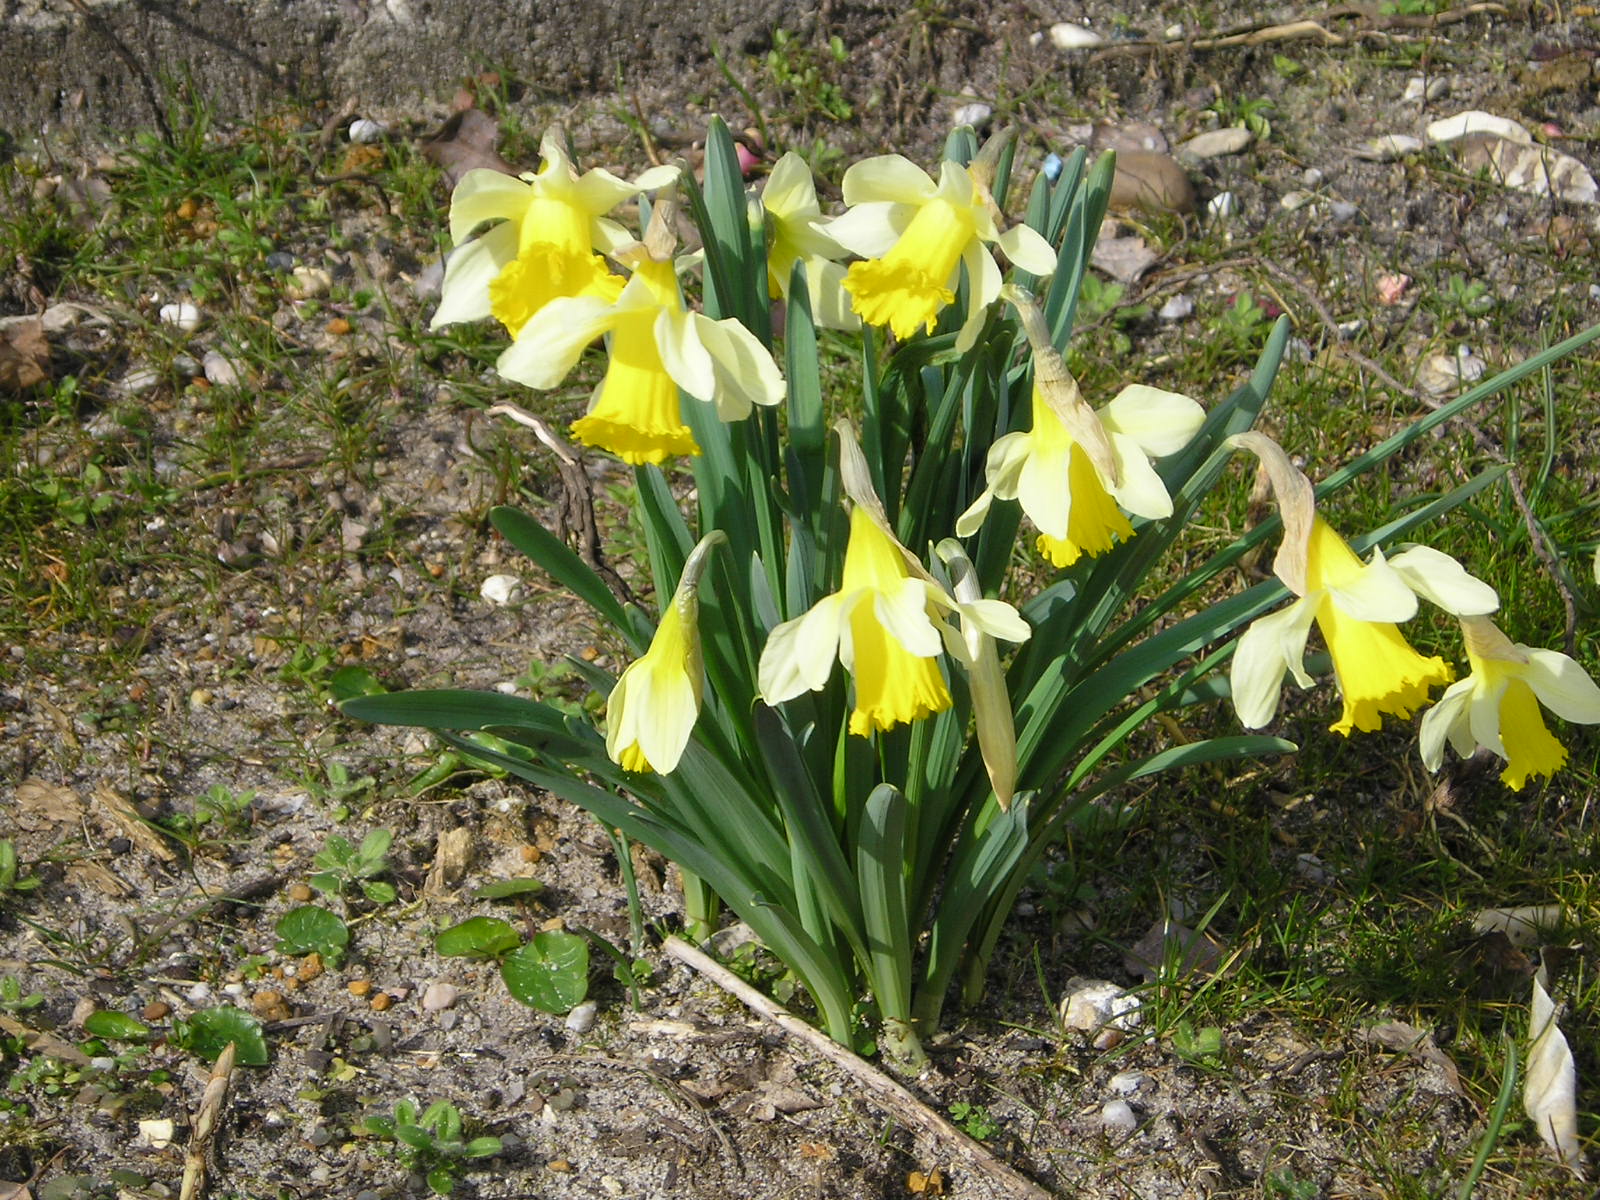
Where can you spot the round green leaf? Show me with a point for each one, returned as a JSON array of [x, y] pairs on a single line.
[[479, 937], [117, 1026], [550, 973], [209, 1031], [307, 928]]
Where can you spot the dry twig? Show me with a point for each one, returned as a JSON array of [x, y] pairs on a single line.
[[198, 1157], [885, 1091]]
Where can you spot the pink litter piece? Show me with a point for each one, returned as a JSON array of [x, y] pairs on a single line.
[[1392, 288]]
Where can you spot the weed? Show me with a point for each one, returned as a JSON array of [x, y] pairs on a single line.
[[1246, 112], [431, 1144], [343, 866], [13, 1001], [974, 1119], [12, 881]]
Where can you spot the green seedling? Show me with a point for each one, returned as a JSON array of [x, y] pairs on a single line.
[[431, 1144], [309, 929], [974, 1119], [550, 972], [207, 1033], [344, 866], [1199, 1048], [117, 1026], [12, 881], [13, 1001]]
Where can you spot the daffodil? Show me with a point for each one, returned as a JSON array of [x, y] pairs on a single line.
[[652, 710], [795, 233], [885, 623], [1356, 605], [657, 346], [915, 235], [1078, 468], [1497, 705], [550, 223]]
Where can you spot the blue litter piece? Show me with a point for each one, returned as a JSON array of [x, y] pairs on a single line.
[[1052, 167]]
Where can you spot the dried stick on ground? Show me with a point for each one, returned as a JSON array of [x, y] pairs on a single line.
[[198, 1155], [889, 1094]]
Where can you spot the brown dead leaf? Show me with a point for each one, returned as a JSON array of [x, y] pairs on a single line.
[[1418, 1043], [14, 1191], [86, 872], [452, 857], [135, 826], [464, 142], [926, 1183], [47, 802], [818, 1150], [1168, 942], [24, 355]]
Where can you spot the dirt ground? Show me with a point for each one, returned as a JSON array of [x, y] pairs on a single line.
[[261, 585]]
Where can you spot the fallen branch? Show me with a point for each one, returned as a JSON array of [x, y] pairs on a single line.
[[198, 1156], [889, 1094]]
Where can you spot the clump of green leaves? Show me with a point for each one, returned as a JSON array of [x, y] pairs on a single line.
[[975, 1119], [549, 972], [207, 1033], [342, 866], [431, 1144], [800, 72], [1198, 1047], [12, 999]]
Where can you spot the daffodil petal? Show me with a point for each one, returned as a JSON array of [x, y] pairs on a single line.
[[870, 230], [830, 303], [1441, 721], [983, 277], [1138, 488], [1442, 581], [550, 344], [683, 354], [1027, 248], [468, 272], [969, 522], [667, 722], [790, 189], [904, 614], [1159, 422], [799, 654], [1273, 644], [891, 178], [1375, 593], [745, 371], [997, 619], [1562, 686], [1043, 490], [485, 195]]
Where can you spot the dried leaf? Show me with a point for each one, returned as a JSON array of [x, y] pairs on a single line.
[[47, 802], [1168, 942], [132, 824], [452, 857], [1550, 1090], [24, 355], [925, 1183], [464, 142], [1419, 1043], [1522, 926]]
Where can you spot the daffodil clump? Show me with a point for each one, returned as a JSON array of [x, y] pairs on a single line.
[[849, 718]]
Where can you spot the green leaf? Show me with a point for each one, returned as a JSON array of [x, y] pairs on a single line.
[[118, 1026], [550, 973], [208, 1032], [309, 928], [414, 1136], [478, 937], [880, 867], [441, 1181], [508, 889], [378, 891], [348, 682], [481, 1147]]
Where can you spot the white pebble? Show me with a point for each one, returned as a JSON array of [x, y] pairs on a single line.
[[1118, 1117], [1215, 143], [1127, 1083], [581, 1019], [1176, 308], [1311, 177], [1418, 88], [185, 316], [1388, 147], [1066, 36], [1476, 121], [219, 369], [439, 996], [506, 687], [139, 379], [199, 993], [501, 589], [1222, 206], [363, 130], [976, 114], [1290, 201]]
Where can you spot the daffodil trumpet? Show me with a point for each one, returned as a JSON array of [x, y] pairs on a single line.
[[1357, 606], [1497, 705]]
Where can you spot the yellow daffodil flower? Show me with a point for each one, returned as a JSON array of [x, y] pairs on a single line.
[[657, 346], [795, 233], [550, 223], [652, 710], [885, 623], [1356, 605], [1077, 468], [1497, 705], [915, 235]]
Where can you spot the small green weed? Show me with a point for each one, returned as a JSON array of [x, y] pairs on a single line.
[[974, 1119], [12, 881], [13, 1001], [309, 929], [431, 1144], [342, 866], [549, 972]]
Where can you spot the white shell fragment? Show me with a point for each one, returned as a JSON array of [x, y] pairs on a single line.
[[501, 590], [1215, 143], [1222, 206], [1388, 147], [581, 1019], [1523, 926], [1448, 129], [1441, 374], [1064, 35], [219, 369], [1549, 1095], [974, 113], [183, 315], [1418, 88], [1176, 308], [1536, 170], [306, 282], [364, 130], [1100, 1008], [1118, 1117]]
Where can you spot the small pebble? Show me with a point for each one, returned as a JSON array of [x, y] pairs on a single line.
[[1291, 201], [281, 261], [199, 993], [300, 893], [976, 114], [120, 845], [233, 989], [581, 1019], [1343, 212], [506, 687], [611, 1185], [139, 379], [364, 130], [559, 1165], [501, 590], [306, 282], [1176, 308], [368, 1194], [338, 327], [1392, 289], [1418, 88], [1222, 206], [200, 698], [1066, 36], [1215, 143], [380, 1002], [156, 1010], [1388, 147], [310, 967], [1127, 1083], [185, 316], [320, 1135], [439, 996], [1448, 129], [1311, 177], [1118, 1117], [219, 369]]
